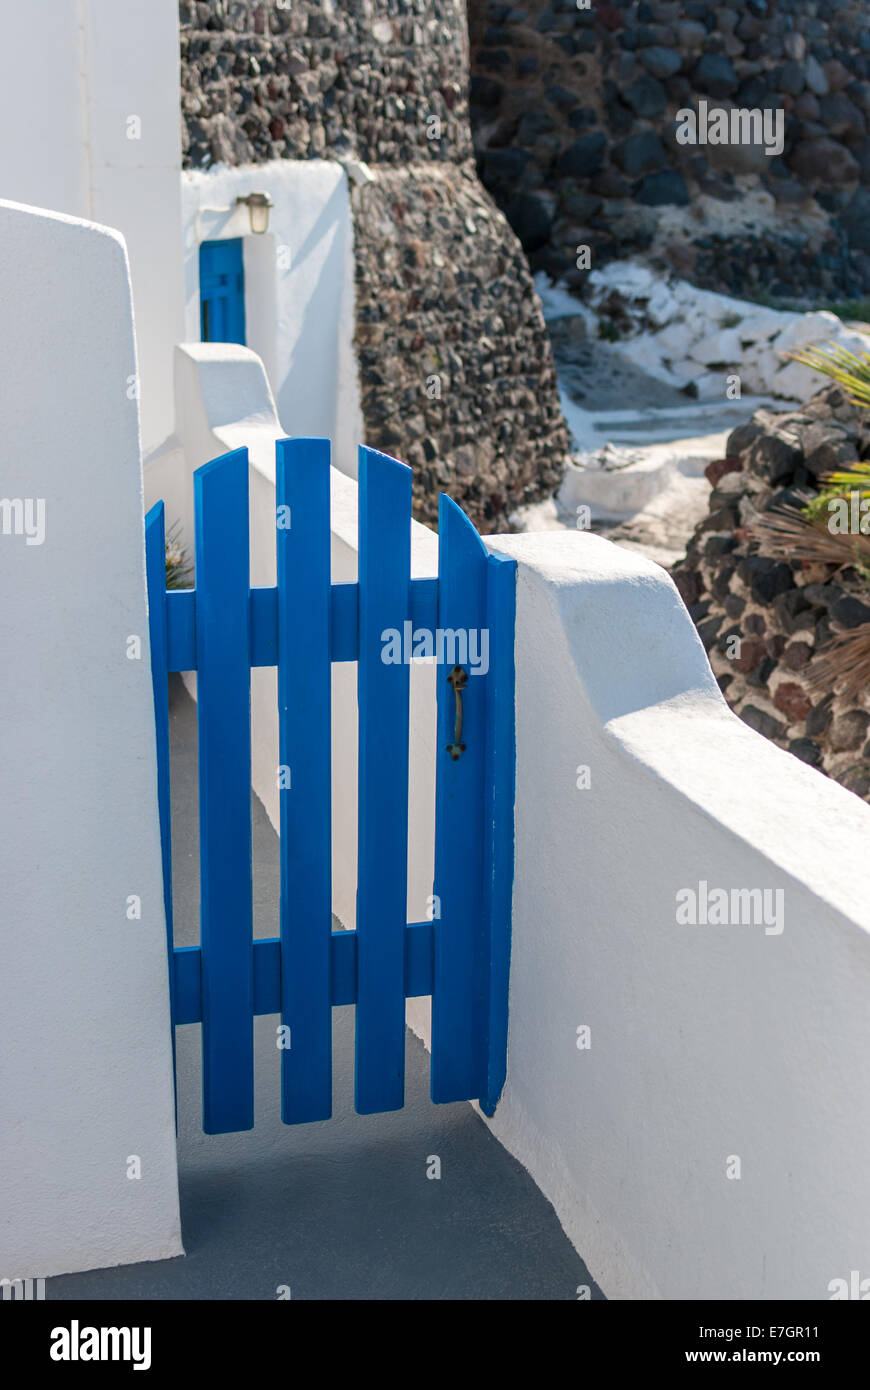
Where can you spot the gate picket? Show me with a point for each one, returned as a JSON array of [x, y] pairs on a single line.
[[155, 573], [459, 985], [499, 788], [224, 717], [304, 705], [384, 603]]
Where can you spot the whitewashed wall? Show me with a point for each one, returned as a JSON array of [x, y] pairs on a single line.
[[299, 290], [86, 1080], [708, 1043], [102, 141]]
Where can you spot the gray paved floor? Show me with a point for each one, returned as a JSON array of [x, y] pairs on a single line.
[[341, 1209]]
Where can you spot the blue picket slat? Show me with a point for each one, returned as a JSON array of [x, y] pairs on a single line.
[[304, 706], [155, 574], [223, 700], [499, 777], [459, 986], [383, 689]]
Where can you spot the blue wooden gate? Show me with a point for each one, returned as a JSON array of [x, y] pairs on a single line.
[[223, 628]]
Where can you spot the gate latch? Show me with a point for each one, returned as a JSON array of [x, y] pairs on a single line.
[[457, 679]]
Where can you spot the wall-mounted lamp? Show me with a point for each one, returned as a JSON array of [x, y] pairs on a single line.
[[259, 207]]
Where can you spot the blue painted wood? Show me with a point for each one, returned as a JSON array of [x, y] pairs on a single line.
[[419, 949], [155, 570], [187, 993], [264, 627], [155, 574], [181, 629], [344, 622], [499, 779], [223, 699], [459, 995], [222, 291], [302, 624], [304, 708], [383, 688]]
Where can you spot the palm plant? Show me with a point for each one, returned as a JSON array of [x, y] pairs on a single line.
[[804, 532], [178, 565], [850, 369]]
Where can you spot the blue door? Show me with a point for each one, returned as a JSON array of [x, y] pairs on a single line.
[[222, 291]]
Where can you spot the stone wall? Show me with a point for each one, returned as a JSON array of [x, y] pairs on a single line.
[[785, 611], [318, 78], [573, 115], [455, 365]]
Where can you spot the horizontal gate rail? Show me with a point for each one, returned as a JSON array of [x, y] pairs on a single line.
[[419, 938], [222, 629], [344, 622]]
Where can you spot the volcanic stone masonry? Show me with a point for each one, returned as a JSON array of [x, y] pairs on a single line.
[[455, 364], [573, 114], [785, 613]]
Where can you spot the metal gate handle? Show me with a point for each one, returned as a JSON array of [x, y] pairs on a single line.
[[457, 679]]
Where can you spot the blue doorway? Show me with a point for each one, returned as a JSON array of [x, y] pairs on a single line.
[[222, 291]]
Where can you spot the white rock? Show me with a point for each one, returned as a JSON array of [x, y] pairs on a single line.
[[796, 382], [760, 328], [714, 307], [632, 280], [722, 347], [757, 369], [684, 370], [851, 339], [807, 329], [711, 386], [662, 306], [645, 353], [697, 323], [675, 340]]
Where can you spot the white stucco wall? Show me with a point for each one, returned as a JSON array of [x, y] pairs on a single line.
[[707, 1042], [86, 1064], [299, 288], [44, 142], [103, 142]]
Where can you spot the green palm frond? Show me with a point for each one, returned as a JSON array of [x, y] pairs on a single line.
[[840, 485], [850, 369], [856, 476]]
